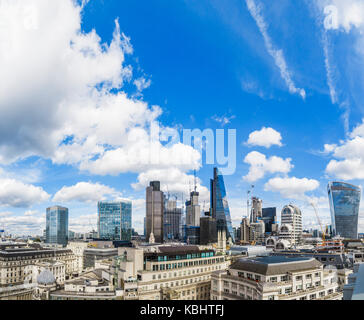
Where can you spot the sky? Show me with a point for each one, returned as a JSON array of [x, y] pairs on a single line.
[[83, 84]]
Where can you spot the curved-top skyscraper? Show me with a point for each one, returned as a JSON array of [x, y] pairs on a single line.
[[220, 206], [344, 201]]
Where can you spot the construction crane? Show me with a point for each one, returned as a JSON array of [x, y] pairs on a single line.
[[319, 221]]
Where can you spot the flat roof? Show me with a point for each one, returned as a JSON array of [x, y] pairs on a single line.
[[358, 293]]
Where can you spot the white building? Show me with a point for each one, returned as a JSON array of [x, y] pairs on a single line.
[[275, 278], [291, 225]]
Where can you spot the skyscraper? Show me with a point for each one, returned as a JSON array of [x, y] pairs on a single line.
[[269, 216], [219, 205], [344, 202], [193, 210], [114, 220], [256, 212], [57, 225], [172, 220], [154, 213], [208, 230]]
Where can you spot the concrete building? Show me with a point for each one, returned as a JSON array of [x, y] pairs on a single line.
[[193, 210], [172, 221], [256, 210], [154, 213], [291, 224], [92, 255], [78, 248], [175, 272], [17, 261], [97, 284], [275, 278]]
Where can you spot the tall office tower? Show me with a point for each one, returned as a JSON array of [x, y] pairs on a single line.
[[57, 225], [145, 226], [256, 211], [269, 216], [208, 230], [291, 224], [172, 220], [219, 205], [257, 231], [193, 210], [245, 230], [154, 213], [344, 201], [114, 220]]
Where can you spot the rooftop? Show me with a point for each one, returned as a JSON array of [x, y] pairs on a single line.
[[271, 265]]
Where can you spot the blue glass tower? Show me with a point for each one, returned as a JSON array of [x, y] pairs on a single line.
[[344, 201], [57, 225], [219, 205], [114, 220]]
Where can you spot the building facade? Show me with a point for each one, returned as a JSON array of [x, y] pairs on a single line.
[[114, 220], [291, 224], [344, 202], [256, 211], [275, 278], [172, 221], [57, 225], [193, 210], [269, 216], [154, 213], [219, 204], [176, 272]]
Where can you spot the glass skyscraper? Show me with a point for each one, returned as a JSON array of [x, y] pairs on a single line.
[[57, 225], [114, 220], [219, 205], [344, 201]]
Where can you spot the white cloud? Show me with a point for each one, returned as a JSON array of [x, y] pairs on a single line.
[[14, 193], [142, 83], [23, 225], [277, 54], [344, 15], [349, 154], [83, 223], [260, 165], [174, 181], [79, 115], [85, 192], [291, 188], [223, 120], [266, 137]]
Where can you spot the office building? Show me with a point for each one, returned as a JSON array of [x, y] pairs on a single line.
[[344, 202], [269, 216], [219, 205], [193, 210], [57, 225], [114, 220], [245, 231], [175, 272], [172, 220], [256, 211], [208, 230], [291, 224], [154, 213], [275, 278]]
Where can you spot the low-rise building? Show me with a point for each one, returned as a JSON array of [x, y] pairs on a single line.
[[275, 278]]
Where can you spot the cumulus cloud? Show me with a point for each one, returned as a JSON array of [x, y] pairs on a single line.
[[71, 107], [14, 193], [260, 165], [266, 137], [83, 223], [291, 188], [174, 181], [277, 54], [23, 225], [349, 154], [85, 192]]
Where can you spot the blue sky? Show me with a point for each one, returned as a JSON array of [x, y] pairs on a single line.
[[79, 84]]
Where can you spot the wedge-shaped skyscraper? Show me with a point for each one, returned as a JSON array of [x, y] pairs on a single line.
[[219, 204], [344, 201]]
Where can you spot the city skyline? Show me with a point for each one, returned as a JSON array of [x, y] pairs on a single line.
[[297, 113]]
